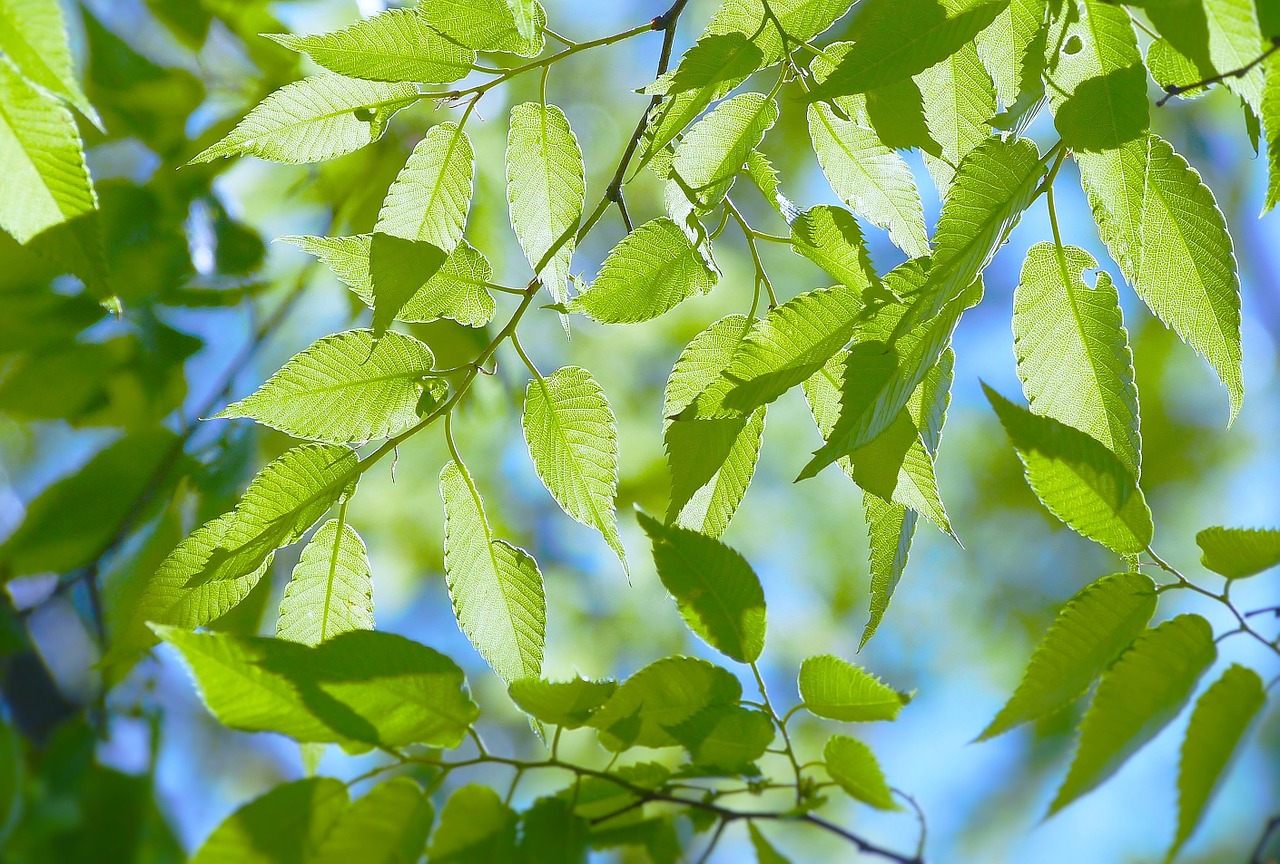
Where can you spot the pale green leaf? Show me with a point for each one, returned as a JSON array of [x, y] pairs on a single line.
[[1088, 634], [573, 442], [890, 529], [1222, 716], [726, 738], [431, 195], [44, 182], [1137, 697], [1077, 478], [475, 828], [346, 388], [836, 689], [457, 291], [496, 589], [959, 100], [1239, 552], [362, 686], [650, 272], [1163, 227], [714, 59], [331, 590], [854, 768], [561, 703], [1073, 350], [1098, 93], [1005, 46], [717, 147], [782, 349], [397, 269], [895, 39], [285, 826], [1170, 68], [545, 190], [872, 179], [487, 25], [317, 118], [661, 696], [1271, 121], [389, 825], [765, 852], [1234, 42], [397, 45], [717, 592], [526, 15], [34, 37], [830, 237]]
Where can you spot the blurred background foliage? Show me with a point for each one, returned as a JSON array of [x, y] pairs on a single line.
[[104, 462]]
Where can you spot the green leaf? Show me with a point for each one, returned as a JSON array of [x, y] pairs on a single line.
[[854, 768], [659, 697], [765, 852], [890, 529], [786, 346], [959, 100], [1098, 93], [872, 179], [331, 590], [546, 189], [726, 738], [714, 59], [75, 518], [488, 25], [475, 828], [717, 592], [45, 181], [525, 13], [561, 703], [553, 834], [34, 37], [317, 118], [496, 588], [1222, 716], [1163, 227], [1270, 114], [895, 39], [1239, 552], [285, 826], [398, 268], [397, 45], [389, 825], [836, 689], [1086, 637], [431, 195], [1170, 69], [1137, 697], [362, 685], [1077, 478], [717, 147], [1218, 36], [1073, 350], [1006, 46], [458, 290], [346, 388], [653, 269], [830, 237], [573, 442]]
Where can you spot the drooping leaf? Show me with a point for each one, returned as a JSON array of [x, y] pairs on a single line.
[[1006, 45], [1218, 36], [765, 852], [346, 388], [660, 696], [651, 271], [496, 588], [714, 59], [1270, 114], [959, 100], [396, 45], [546, 189], [331, 590], [895, 39], [285, 826], [1163, 227], [1172, 69], [1088, 634], [317, 118], [475, 828], [1073, 350], [431, 195], [830, 237], [33, 36], [854, 767], [1239, 552], [1222, 716], [836, 689], [717, 147], [488, 25], [573, 442], [457, 290], [717, 592], [389, 825], [1077, 478], [44, 182], [363, 685], [398, 268], [561, 703], [553, 834]]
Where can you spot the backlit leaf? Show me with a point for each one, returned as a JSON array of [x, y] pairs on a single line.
[[836, 689], [331, 590], [854, 768], [389, 825], [561, 703], [475, 826], [489, 25], [660, 696], [1239, 552], [33, 35], [431, 195], [285, 826]]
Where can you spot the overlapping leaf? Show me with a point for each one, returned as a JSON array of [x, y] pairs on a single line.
[[1005, 46], [431, 195], [959, 100], [659, 697], [561, 703], [830, 237], [331, 590], [717, 147], [489, 25], [389, 825], [34, 38], [289, 823]]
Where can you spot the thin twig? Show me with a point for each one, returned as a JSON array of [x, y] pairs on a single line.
[[1172, 90]]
